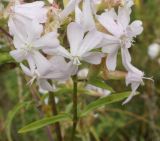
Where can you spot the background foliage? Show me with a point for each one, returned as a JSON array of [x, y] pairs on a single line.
[[137, 121]]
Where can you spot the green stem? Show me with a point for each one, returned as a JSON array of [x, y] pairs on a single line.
[[55, 112], [75, 116]]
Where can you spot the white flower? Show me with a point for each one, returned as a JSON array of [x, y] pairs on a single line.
[[134, 77], [83, 73], [85, 16], [21, 13], [36, 75], [122, 33], [81, 46], [69, 8], [55, 72], [153, 50], [28, 42], [72, 4]]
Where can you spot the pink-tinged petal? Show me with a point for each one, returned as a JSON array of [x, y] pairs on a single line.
[[123, 16], [19, 55], [91, 41], [75, 36], [49, 40], [26, 70], [93, 57], [111, 61]]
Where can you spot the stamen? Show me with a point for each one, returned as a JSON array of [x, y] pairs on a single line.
[[148, 78], [76, 61], [124, 39], [35, 76], [31, 81]]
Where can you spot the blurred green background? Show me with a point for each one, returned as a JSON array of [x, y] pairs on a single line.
[[137, 121]]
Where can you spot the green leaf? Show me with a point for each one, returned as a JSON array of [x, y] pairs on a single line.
[[104, 101], [98, 82], [5, 57], [44, 122], [11, 116]]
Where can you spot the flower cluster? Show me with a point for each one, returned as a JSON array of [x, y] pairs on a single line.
[[46, 57]]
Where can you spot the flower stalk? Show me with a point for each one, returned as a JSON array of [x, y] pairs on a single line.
[[55, 112], [75, 116]]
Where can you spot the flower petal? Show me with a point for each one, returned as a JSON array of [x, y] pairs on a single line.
[[69, 8], [45, 85], [75, 35], [109, 22], [26, 70], [111, 61], [93, 57], [91, 41], [42, 64], [32, 11], [49, 40], [19, 55], [34, 31], [87, 19], [124, 16], [136, 28]]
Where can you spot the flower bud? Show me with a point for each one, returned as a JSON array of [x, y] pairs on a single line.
[[153, 50]]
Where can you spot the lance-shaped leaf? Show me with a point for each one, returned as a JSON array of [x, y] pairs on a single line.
[[104, 101], [44, 122], [11, 116], [98, 82]]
